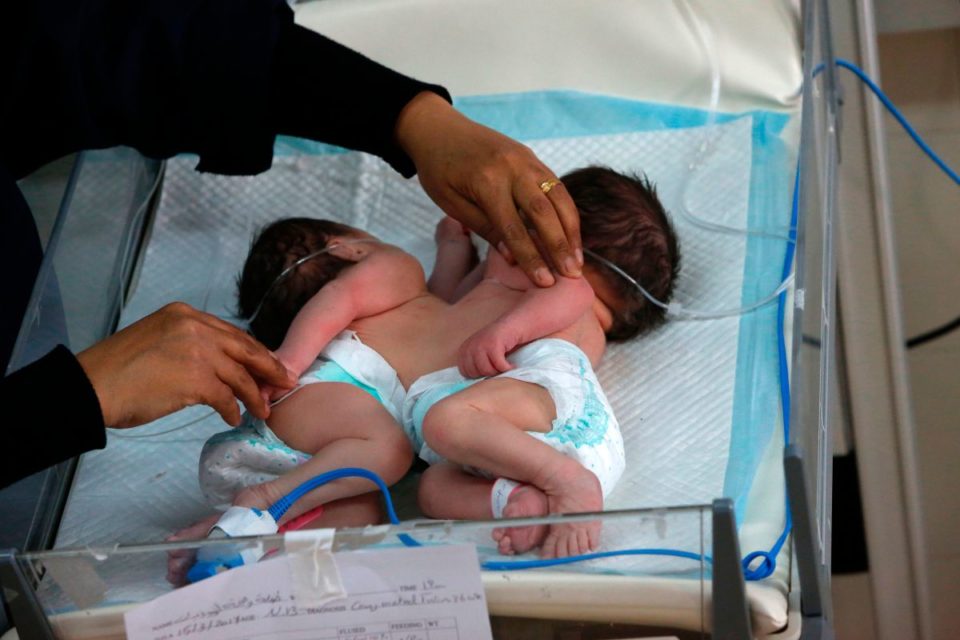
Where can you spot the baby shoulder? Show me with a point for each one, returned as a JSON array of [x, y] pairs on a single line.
[[392, 265]]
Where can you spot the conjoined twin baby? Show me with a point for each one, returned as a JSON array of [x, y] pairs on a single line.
[[477, 371]]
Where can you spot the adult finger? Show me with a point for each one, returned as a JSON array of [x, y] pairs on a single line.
[[504, 215], [569, 219], [221, 399], [473, 217], [540, 211], [238, 344], [256, 358], [238, 379]]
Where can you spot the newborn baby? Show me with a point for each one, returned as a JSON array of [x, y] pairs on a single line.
[[490, 377]]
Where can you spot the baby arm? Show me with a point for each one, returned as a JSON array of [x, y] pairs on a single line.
[[456, 261], [381, 281], [541, 312]]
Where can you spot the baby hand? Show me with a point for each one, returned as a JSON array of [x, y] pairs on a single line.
[[485, 352], [449, 230]]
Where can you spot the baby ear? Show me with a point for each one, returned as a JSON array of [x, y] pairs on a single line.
[[348, 248]]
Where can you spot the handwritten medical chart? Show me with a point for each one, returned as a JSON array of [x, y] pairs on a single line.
[[424, 593]]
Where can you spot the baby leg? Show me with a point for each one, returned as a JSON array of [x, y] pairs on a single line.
[[340, 426], [447, 491], [484, 426]]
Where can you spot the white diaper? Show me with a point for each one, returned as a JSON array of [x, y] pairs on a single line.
[[252, 453], [585, 428]]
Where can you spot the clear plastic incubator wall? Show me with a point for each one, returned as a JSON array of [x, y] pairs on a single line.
[[722, 514]]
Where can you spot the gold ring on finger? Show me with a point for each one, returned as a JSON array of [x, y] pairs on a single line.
[[546, 185]]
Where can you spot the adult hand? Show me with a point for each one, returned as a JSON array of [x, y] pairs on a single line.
[[177, 357], [492, 184]]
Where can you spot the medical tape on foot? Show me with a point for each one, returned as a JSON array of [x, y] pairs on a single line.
[[313, 569], [500, 495], [244, 521]]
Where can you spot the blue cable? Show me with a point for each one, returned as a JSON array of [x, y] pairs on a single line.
[[514, 565], [769, 564], [281, 506], [846, 64], [769, 558]]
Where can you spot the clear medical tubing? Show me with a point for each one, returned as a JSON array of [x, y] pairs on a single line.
[[700, 27], [675, 310]]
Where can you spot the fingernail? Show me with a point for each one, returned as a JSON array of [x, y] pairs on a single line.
[[504, 251], [579, 253], [542, 276], [571, 267]]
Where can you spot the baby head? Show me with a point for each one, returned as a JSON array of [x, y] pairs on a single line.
[[622, 220], [277, 247]]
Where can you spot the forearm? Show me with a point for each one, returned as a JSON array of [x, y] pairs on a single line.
[[324, 316], [56, 431], [542, 312], [379, 282], [325, 91]]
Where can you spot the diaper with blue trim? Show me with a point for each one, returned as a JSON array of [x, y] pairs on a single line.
[[252, 453], [584, 429]]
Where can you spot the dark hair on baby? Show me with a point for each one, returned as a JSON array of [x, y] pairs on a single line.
[[622, 220], [274, 249]]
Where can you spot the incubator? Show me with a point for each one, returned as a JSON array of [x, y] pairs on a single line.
[[720, 523]]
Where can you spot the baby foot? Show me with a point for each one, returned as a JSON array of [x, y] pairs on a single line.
[[179, 561], [525, 502], [576, 492]]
